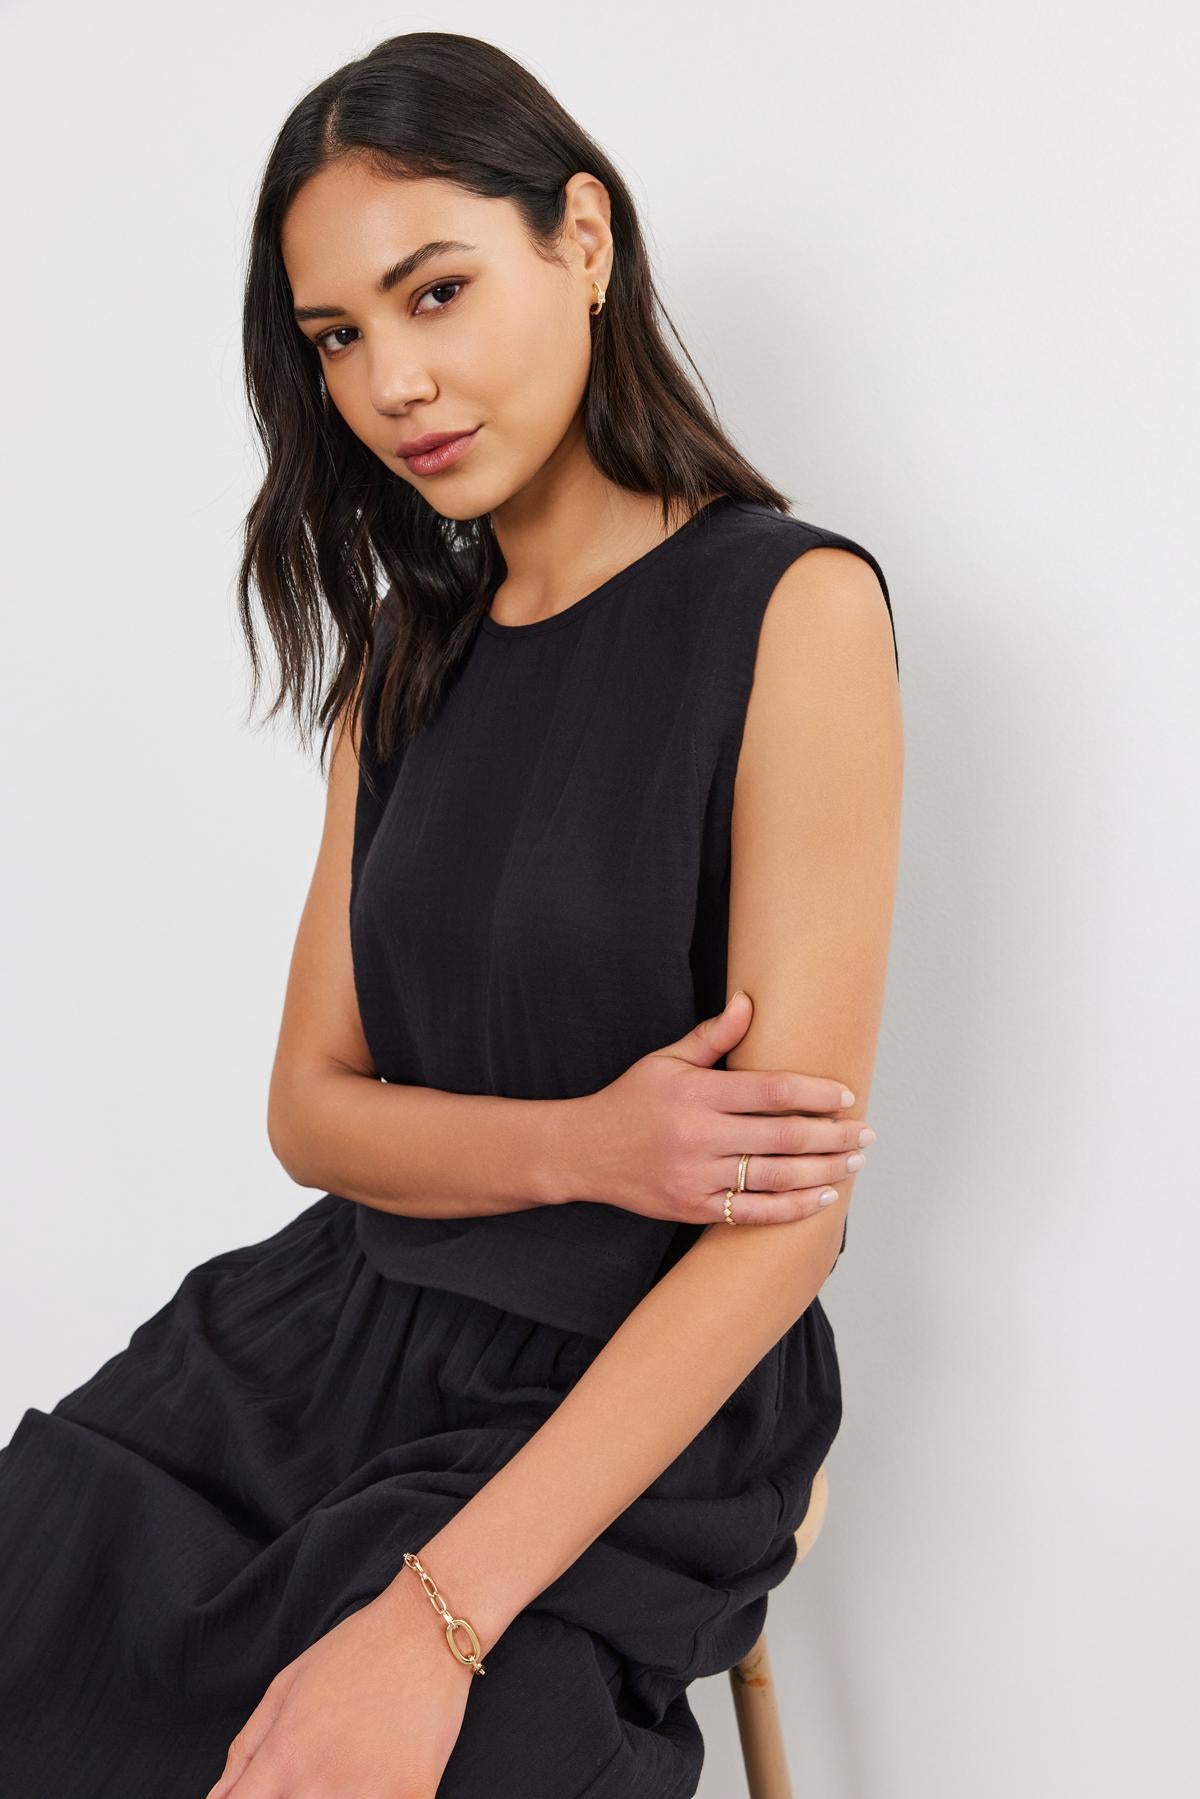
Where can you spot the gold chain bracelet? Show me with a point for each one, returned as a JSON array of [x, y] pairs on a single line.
[[439, 1605]]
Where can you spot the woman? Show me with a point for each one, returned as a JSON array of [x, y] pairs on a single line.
[[505, 1343]]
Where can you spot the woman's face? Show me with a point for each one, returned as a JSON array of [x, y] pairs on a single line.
[[482, 336]]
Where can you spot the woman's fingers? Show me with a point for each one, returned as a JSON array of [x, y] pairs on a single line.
[[780, 1188], [772, 1090], [786, 1135], [810, 1136], [771, 1208], [786, 1174]]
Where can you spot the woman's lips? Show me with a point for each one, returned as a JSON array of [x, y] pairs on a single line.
[[431, 462]]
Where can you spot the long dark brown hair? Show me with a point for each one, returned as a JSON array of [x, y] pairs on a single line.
[[329, 519]]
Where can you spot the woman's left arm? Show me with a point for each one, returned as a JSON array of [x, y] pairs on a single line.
[[815, 852]]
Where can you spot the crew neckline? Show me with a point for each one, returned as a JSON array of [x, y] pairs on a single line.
[[535, 625]]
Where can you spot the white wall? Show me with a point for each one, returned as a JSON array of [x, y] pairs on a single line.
[[938, 265]]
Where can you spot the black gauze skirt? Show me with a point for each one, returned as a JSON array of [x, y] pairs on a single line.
[[250, 1469]]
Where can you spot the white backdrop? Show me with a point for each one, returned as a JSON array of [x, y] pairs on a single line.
[[939, 267]]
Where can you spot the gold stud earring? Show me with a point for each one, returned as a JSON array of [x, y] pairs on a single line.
[[598, 302]]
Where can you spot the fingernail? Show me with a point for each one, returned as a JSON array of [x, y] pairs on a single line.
[[865, 1136], [855, 1161], [847, 1097], [828, 1196]]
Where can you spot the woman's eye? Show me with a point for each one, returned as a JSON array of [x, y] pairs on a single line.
[[441, 287], [320, 341], [337, 330]]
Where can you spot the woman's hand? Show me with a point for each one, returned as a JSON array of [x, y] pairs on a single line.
[[373, 1707], [665, 1137]]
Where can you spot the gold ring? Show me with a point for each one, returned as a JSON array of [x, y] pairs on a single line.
[[729, 1217], [743, 1164]]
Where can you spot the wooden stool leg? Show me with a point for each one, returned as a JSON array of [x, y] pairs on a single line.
[[756, 1705], [755, 1700]]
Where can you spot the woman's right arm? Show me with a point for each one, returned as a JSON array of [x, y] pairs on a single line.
[[333, 1124]]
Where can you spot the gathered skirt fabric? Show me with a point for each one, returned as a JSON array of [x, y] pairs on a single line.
[[250, 1469]]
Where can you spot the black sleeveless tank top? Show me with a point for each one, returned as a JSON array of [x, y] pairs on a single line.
[[540, 884]]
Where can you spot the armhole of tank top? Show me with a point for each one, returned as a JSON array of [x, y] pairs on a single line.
[[745, 658], [369, 803], [835, 540], [381, 648]]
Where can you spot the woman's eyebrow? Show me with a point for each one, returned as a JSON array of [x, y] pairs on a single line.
[[399, 271]]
